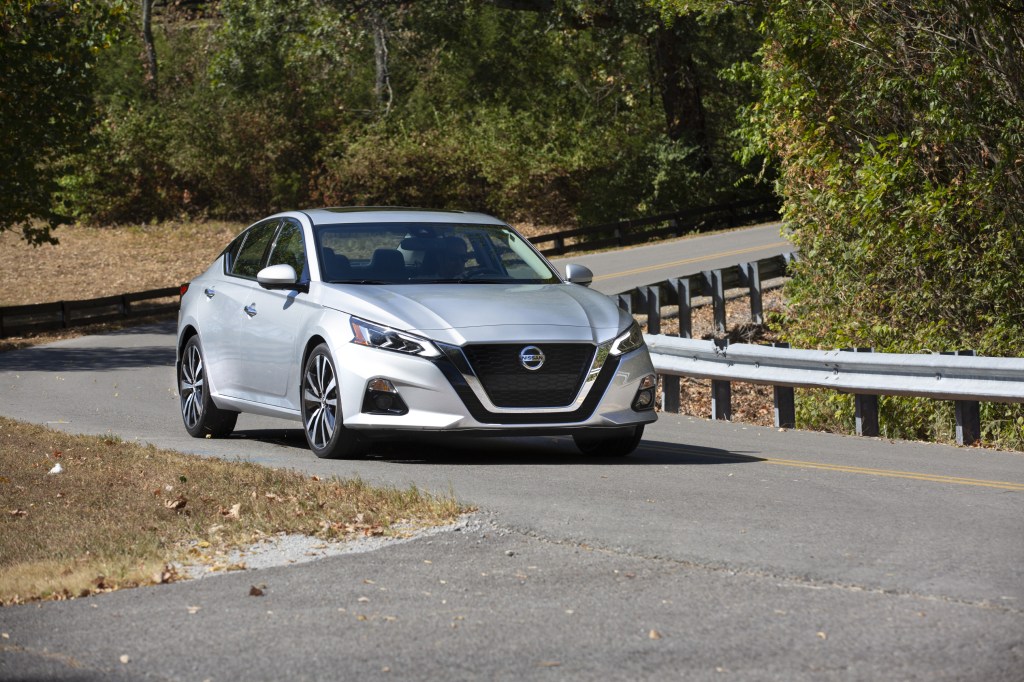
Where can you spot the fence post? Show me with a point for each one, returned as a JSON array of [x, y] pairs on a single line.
[[751, 274], [682, 289], [625, 301], [784, 398], [560, 245], [669, 393], [713, 282], [653, 296], [65, 314], [865, 406], [721, 391], [968, 413]]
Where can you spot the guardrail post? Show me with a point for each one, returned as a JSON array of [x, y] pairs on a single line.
[[653, 296], [560, 245], [751, 275], [625, 301], [865, 406], [65, 314], [669, 393], [721, 392], [784, 399], [682, 289], [968, 413], [713, 282]]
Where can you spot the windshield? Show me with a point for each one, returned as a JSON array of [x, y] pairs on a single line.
[[428, 253]]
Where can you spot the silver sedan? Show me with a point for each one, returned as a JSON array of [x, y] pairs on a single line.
[[375, 323]]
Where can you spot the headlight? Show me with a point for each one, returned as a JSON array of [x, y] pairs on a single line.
[[375, 336], [629, 340]]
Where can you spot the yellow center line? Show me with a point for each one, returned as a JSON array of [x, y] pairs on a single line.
[[888, 473], [685, 261]]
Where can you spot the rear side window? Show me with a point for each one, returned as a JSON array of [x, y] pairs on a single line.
[[249, 260]]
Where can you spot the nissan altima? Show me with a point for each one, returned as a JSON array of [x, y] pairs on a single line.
[[373, 323]]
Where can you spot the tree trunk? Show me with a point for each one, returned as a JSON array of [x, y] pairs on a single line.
[[147, 41], [681, 97], [382, 85]]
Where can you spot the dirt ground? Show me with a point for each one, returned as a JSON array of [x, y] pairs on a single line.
[[90, 262]]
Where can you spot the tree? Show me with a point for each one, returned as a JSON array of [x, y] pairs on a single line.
[[898, 129], [48, 54]]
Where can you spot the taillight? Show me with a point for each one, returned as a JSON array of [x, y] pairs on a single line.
[[182, 289]]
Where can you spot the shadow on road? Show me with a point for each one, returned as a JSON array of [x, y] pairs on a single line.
[[431, 449], [62, 359]]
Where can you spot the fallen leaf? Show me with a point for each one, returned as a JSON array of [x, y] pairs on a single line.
[[19, 512], [549, 664], [654, 634], [177, 503], [255, 592], [822, 635], [234, 513], [193, 610], [124, 658]]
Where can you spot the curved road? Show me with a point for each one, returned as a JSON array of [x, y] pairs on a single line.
[[617, 271], [717, 552]]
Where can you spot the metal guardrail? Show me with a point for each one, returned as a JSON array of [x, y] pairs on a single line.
[[963, 378], [680, 291]]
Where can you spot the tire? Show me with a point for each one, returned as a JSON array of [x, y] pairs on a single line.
[[201, 417], [321, 410], [609, 442]]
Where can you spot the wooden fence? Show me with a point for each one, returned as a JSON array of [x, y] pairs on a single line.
[[667, 225], [39, 317]]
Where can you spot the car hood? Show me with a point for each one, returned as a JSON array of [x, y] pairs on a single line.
[[466, 313]]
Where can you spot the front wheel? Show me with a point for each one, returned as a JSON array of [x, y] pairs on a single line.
[[202, 418], [321, 409], [609, 442]]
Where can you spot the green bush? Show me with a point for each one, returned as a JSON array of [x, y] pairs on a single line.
[[898, 128]]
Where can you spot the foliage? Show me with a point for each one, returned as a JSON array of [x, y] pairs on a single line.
[[899, 132], [552, 115], [48, 56]]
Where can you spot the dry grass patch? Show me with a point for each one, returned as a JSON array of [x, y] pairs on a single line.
[[121, 514]]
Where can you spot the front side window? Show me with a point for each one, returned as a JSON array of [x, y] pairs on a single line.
[[288, 249], [249, 259], [428, 253]]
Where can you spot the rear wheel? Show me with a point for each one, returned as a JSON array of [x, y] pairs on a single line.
[[202, 418], [609, 442], [321, 409]]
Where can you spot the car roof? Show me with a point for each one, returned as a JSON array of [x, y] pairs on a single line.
[[394, 214]]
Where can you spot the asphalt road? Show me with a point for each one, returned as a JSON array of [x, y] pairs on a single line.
[[716, 552], [618, 271]]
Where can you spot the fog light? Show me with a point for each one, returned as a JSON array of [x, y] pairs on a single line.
[[644, 399], [382, 398], [383, 401]]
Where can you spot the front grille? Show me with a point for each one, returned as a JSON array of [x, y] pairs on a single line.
[[509, 384]]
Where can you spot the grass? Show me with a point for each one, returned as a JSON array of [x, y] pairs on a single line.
[[121, 514]]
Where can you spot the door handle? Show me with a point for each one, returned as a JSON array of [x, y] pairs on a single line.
[[210, 293], [250, 310]]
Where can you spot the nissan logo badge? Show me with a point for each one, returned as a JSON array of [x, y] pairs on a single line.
[[532, 358]]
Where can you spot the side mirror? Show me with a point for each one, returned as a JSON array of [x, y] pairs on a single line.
[[281, 276], [578, 274]]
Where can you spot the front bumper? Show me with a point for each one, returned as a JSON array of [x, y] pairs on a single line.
[[440, 396]]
